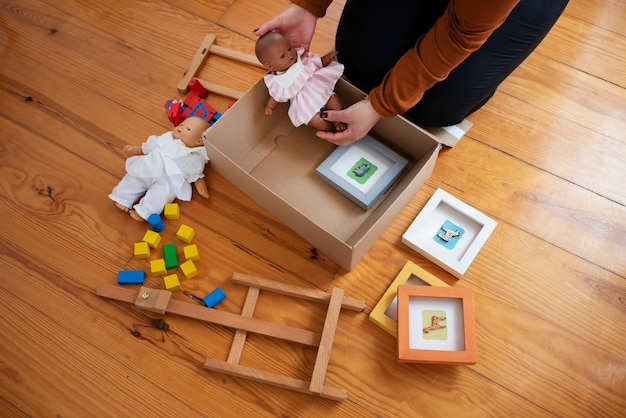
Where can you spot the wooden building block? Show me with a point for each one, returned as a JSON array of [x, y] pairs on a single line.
[[153, 238], [130, 277], [189, 269], [153, 300], [171, 211], [171, 282], [169, 254], [191, 252], [185, 233], [157, 267], [215, 297], [141, 250]]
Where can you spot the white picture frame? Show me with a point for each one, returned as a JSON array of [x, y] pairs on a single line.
[[443, 209]]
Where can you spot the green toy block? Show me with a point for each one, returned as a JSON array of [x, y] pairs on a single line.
[[171, 211], [189, 269], [191, 252], [185, 233], [169, 254], [171, 282], [142, 249], [152, 238], [157, 267]]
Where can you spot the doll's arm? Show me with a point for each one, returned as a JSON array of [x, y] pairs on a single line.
[[201, 187], [270, 106], [130, 150], [328, 58]]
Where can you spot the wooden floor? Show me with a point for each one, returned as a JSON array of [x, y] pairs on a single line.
[[545, 158]]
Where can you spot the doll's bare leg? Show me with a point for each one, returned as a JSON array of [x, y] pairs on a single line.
[[121, 207], [133, 214], [320, 124], [335, 104]]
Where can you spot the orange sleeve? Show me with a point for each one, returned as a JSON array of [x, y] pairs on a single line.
[[462, 29], [317, 7]]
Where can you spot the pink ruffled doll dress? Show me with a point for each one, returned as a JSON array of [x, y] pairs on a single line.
[[307, 85]]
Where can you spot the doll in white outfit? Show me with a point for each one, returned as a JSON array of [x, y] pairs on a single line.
[[302, 78], [162, 169]]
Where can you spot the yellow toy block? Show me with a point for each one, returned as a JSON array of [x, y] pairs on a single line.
[[142, 250], [157, 267], [189, 269], [152, 238], [191, 252], [185, 233], [171, 211], [171, 282]]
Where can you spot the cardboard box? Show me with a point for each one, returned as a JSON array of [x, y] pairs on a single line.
[[274, 163]]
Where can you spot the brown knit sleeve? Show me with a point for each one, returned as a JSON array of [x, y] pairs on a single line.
[[462, 29], [317, 7]]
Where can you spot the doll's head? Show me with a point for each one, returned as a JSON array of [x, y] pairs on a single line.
[[274, 52], [190, 131]]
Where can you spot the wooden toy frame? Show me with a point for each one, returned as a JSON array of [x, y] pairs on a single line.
[[412, 348], [334, 168], [385, 313], [206, 48], [156, 300]]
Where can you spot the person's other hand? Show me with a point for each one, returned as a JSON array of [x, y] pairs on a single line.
[[294, 23], [360, 118]]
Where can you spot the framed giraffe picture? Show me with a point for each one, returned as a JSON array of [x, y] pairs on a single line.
[[436, 325]]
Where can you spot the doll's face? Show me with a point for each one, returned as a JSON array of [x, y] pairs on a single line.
[[275, 53], [190, 131]]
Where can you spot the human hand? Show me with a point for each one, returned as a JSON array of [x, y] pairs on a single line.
[[294, 23], [360, 118]]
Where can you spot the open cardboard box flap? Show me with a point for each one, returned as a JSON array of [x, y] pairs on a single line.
[[274, 163]]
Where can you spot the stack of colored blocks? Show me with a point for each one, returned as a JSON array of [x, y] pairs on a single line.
[[160, 267]]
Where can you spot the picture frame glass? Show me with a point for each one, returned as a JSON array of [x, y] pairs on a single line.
[[445, 216], [444, 317], [360, 158]]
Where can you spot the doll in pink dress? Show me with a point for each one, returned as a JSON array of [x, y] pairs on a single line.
[[304, 79]]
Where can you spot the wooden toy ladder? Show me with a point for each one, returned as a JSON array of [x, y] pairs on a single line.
[[157, 300]]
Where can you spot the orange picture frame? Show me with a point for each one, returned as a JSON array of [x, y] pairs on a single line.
[[436, 325]]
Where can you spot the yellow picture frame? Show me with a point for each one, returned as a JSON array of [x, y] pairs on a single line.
[[385, 312]]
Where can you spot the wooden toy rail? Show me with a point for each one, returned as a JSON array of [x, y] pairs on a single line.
[[157, 300]]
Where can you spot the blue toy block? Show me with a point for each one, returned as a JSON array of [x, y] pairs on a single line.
[[156, 223], [214, 297], [131, 277]]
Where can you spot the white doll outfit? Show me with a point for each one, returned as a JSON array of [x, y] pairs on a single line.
[[306, 84], [163, 173]]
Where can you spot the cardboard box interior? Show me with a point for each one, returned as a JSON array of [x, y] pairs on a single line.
[[274, 163]]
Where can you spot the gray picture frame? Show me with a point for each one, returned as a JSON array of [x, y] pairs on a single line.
[[390, 164]]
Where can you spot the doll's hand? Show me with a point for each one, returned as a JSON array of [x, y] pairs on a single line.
[[130, 150], [202, 188], [360, 118], [268, 111], [295, 23], [328, 58]]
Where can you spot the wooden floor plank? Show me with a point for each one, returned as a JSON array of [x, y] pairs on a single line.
[[79, 79]]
